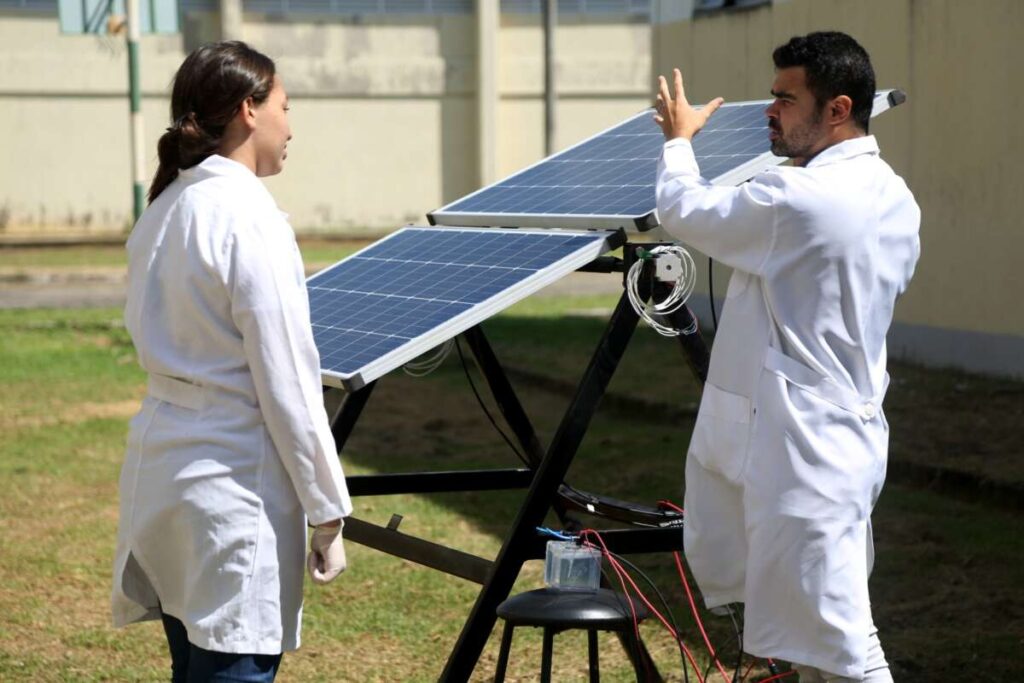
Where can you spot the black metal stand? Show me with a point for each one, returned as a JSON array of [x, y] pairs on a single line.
[[543, 478]]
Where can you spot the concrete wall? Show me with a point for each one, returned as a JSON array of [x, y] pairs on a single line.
[[383, 112], [956, 141]]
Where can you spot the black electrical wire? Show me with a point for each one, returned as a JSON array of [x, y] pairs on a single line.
[[664, 604], [739, 643], [472, 385], [711, 292], [738, 639]]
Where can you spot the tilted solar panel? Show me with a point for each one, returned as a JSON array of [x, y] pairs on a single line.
[[405, 294], [607, 181]]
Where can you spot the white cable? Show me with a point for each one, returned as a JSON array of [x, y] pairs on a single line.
[[681, 290], [425, 364]]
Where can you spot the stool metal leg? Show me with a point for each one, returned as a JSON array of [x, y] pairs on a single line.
[[595, 671], [545, 658], [638, 661], [506, 644]]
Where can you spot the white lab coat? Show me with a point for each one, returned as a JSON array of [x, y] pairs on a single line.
[[232, 449], [789, 450]]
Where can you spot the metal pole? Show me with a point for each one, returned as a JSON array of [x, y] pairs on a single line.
[[138, 158], [230, 19], [487, 26], [550, 92]]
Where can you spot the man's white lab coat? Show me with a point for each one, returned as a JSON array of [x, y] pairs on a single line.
[[232, 449], [789, 450]]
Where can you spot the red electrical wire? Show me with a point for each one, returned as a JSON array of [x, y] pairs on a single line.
[[671, 506], [689, 596], [622, 573], [696, 616], [750, 667], [618, 574]]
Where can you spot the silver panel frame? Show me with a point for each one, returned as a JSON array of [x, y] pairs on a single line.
[[475, 315]]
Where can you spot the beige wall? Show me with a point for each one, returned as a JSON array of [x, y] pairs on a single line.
[[957, 140], [384, 112]]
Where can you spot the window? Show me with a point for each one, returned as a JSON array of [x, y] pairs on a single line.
[[29, 6]]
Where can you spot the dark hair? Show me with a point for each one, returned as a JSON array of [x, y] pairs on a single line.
[[210, 86], [835, 65]]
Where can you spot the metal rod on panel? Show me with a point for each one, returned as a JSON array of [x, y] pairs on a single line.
[[550, 91]]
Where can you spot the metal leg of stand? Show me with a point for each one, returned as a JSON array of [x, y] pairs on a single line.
[[543, 492], [694, 348], [504, 394], [351, 408], [512, 410]]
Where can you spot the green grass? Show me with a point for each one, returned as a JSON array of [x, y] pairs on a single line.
[[62, 256], [314, 251], [62, 374], [946, 585]]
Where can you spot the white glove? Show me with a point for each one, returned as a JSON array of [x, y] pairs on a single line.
[[326, 557]]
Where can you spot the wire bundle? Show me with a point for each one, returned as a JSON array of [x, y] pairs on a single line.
[[681, 290], [631, 591], [428, 362]]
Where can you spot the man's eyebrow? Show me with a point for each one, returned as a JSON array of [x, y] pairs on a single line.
[[782, 95]]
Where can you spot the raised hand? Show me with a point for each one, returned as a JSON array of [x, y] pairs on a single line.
[[676, 117]]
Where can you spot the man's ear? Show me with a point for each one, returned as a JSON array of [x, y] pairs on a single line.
[[839, 109]]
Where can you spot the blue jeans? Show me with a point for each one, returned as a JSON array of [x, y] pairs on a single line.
[[192, 664]]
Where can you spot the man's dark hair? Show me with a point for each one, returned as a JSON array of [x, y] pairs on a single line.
[[835, 65]]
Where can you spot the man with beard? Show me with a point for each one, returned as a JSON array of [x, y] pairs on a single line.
[[789, 450]]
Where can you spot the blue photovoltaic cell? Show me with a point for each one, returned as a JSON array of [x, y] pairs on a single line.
[[418, 279], [613, 174]]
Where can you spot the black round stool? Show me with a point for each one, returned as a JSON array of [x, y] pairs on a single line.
[[557, 610]]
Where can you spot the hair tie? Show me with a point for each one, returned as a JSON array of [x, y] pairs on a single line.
[[179, 122]]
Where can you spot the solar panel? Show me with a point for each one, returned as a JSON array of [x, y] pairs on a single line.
[[607, 181], [418, 287]]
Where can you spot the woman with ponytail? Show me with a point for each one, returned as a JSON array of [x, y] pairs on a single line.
[[231, 453]]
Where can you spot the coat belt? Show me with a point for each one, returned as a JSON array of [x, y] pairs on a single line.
[[802, 376], [177, 391]]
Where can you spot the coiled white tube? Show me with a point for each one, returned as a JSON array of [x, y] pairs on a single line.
[[681, 290]]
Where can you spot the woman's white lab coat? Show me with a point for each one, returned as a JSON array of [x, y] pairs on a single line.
[[789, 450], [232, 449]]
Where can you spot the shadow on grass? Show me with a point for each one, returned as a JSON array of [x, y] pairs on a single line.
[[436, 423]]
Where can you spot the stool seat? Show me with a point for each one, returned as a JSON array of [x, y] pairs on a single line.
[[602, 609], [557, 610]]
